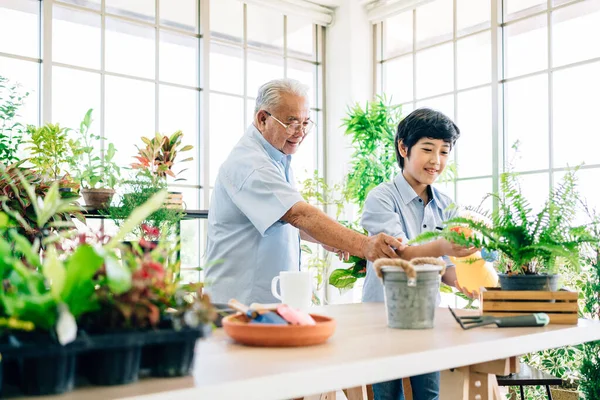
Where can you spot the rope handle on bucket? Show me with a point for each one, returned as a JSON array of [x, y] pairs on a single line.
[[407, 266]]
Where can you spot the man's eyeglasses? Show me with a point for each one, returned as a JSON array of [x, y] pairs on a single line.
[[294, 127]]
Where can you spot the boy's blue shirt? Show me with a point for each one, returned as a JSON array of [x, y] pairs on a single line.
[[397, 210]]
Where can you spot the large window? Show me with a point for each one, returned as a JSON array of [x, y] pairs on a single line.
[[20, 51], [439, 55], [249, 46], [142, 66], [519, 77]]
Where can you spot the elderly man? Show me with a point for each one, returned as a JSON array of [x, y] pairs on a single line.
[[257, 217]]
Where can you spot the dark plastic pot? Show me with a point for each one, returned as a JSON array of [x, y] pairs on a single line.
[[114, 360], [174, 356], [44, 366], [540, 282], [48, 375]]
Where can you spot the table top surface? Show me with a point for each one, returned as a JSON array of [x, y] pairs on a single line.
[[363, 350]]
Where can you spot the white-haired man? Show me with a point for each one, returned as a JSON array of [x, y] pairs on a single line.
[[257, 217]]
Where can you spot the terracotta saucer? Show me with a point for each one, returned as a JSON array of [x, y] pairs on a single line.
[[266, 335]]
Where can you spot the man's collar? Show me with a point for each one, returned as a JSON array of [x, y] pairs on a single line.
[[273, 152]]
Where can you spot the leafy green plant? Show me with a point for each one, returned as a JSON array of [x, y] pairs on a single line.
[[138, 192], [89, 169], [51, 149], [37, 209], [529, 243], [372, 130], [590, 364], [12, 99]]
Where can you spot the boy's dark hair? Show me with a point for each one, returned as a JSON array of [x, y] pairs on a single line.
[[424, 123]]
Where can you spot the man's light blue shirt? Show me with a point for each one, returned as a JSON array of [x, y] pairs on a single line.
[[396, 209], [254, 189]]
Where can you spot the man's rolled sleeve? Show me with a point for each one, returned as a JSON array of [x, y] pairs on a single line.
[[379, 216], [265, 197]]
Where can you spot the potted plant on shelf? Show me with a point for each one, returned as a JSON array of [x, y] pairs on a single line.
[[52, 152], [157, 159], [531, 246], [98, 176]]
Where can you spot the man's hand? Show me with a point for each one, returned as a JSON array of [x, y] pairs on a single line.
[[381, 246], [452, 249], [342, 255]]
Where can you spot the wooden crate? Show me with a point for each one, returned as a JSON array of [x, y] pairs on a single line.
[[560, 306]]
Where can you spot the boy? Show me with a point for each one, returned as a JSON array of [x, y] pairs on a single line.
[[408, 206]]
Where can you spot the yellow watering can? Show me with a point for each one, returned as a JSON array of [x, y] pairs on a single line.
[[473, 272]]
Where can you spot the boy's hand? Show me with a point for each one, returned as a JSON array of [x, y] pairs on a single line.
[[472, 295], [452, 249]]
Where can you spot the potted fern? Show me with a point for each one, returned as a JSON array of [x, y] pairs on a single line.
[[531, 246]]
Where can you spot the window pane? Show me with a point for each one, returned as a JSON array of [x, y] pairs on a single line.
[[407, 108], [306, 73], [472, 192], [76, 38], [472, 15], [250, 104], [304, 162], [178, 110], [523, 7], [587, 187], [178, 58], [398, 34], [574, 24], [474, 55], [226, 69], [526, 119], [73, 93], [190, 249], [93, 4], [227, 19], [444, 104], [182, 14], [261, 69], [398, 79], [535, 188], [435, 71], [575, 98], [129, 115], [300, 37], [226, 129], [526, 46], [474, 148], [434, 22], [26, 74], [265, 28], [121, 38], [20, 21], [138, 9]]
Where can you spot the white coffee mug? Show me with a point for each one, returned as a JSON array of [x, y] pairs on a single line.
[[296, 288]]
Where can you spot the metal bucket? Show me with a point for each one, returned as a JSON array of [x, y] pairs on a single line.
[[411, 301]]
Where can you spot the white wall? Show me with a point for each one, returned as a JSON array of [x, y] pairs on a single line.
[[349, 78]]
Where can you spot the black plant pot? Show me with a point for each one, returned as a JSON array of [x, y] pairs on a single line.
[[169, 352], [52, 374], [116, 366], [541, 282], [1, 373], [170, 359]]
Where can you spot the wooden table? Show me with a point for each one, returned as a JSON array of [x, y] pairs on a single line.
[[362, 351]]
